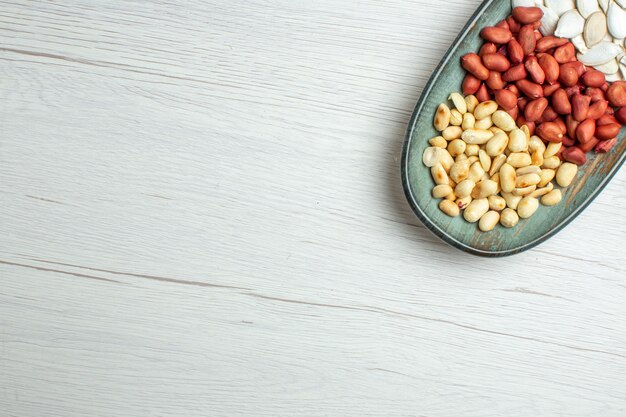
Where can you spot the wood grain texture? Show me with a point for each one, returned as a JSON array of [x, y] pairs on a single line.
[[201, 214]]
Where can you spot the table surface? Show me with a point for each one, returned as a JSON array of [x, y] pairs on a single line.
[[202, 215]]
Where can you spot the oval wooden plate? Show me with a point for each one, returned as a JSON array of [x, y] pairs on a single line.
[[417, 182]]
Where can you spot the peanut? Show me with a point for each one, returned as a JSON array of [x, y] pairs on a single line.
[[469, 121], [476, 136], [496, 203], [483, 124], [485, 160], [497, 144], [442, 190], [527, 207], [449, 208], [438, 141], [566, 173], [464, 188], [471, 150], [484, 189], [456, 147], [485, 109], [518, 159], [442, 117], [476, 209], [439, 174], [509, 217], [489, 220], [503, 120], [452, 132], [552, 198], [476, 172], [518, 141], [546, 175]]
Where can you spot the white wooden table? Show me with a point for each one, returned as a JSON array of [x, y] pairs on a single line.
[[201, 215]]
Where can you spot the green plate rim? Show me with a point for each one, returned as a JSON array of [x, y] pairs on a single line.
[[442, 234]]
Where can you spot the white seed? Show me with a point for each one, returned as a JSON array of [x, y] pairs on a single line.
[[518, 141], [496, 164], [552, 163], [507, 178], [456, 118], [604, 4], [464, 188], [476, 172], [496, 202], [484, 189], [485, 109], [579, 44], [570, 24], [595, 28], [471, 102], [528, 170], [456, 147], [463, 202], [622, 3], [616, 20], [536, 144], [511, 200], [472, 150], [527, 180], [552, 198], [586, 7], [509, 218], [608, 68], [452, 132], [497, 144], [560, 6], [484, 124], [459, 170], [468, 121], [485, 160], [542, 191], [522, 3], [459, 102], [549, 21], [476, 136], [566, 173], [600, 53], [441, 190], [439, 174], [546, 176], [488, 221], [503, 120], [438, 141], [525, 190], [552, 149], [449, 207], [476, 209], [527, 207], [442, 117], [518, 159]]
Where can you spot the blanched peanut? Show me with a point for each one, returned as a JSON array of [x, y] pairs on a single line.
[[566, 173], [511, 200], [468, 121], [518, 141], [536, 143], [552, 149], [471, 150], [464, 188], [496, 129], [518, 159], [496, 164], [489, 220], [503, 120], [484, 124], [507, 178], [527, 180], [459, 102], [442, 190], [531, 169], [459, 170], [471, 102], [476, 209], [449, 207], [552, 198], [485, 109], [552, 162], [495, 178], [509, 218], [524, 191], [450, 197], [456, 118], [527, 207], [472, 159], [463, 202], [430, 157], [476, 172], [438, 141], [536, 158], [526, 130], [442, 117], [496, 203], [476, 136], [546, 176], [439, 174], [497, 144], [456, 147], [542, 191], [484, 189], [452, 132], [485, 160], [461, 157], [445, 159]]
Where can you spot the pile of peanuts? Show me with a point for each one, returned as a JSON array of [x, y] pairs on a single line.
[[483, 164], [538, 81]]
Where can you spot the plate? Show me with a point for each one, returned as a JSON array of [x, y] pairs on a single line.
[[417, 182]]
